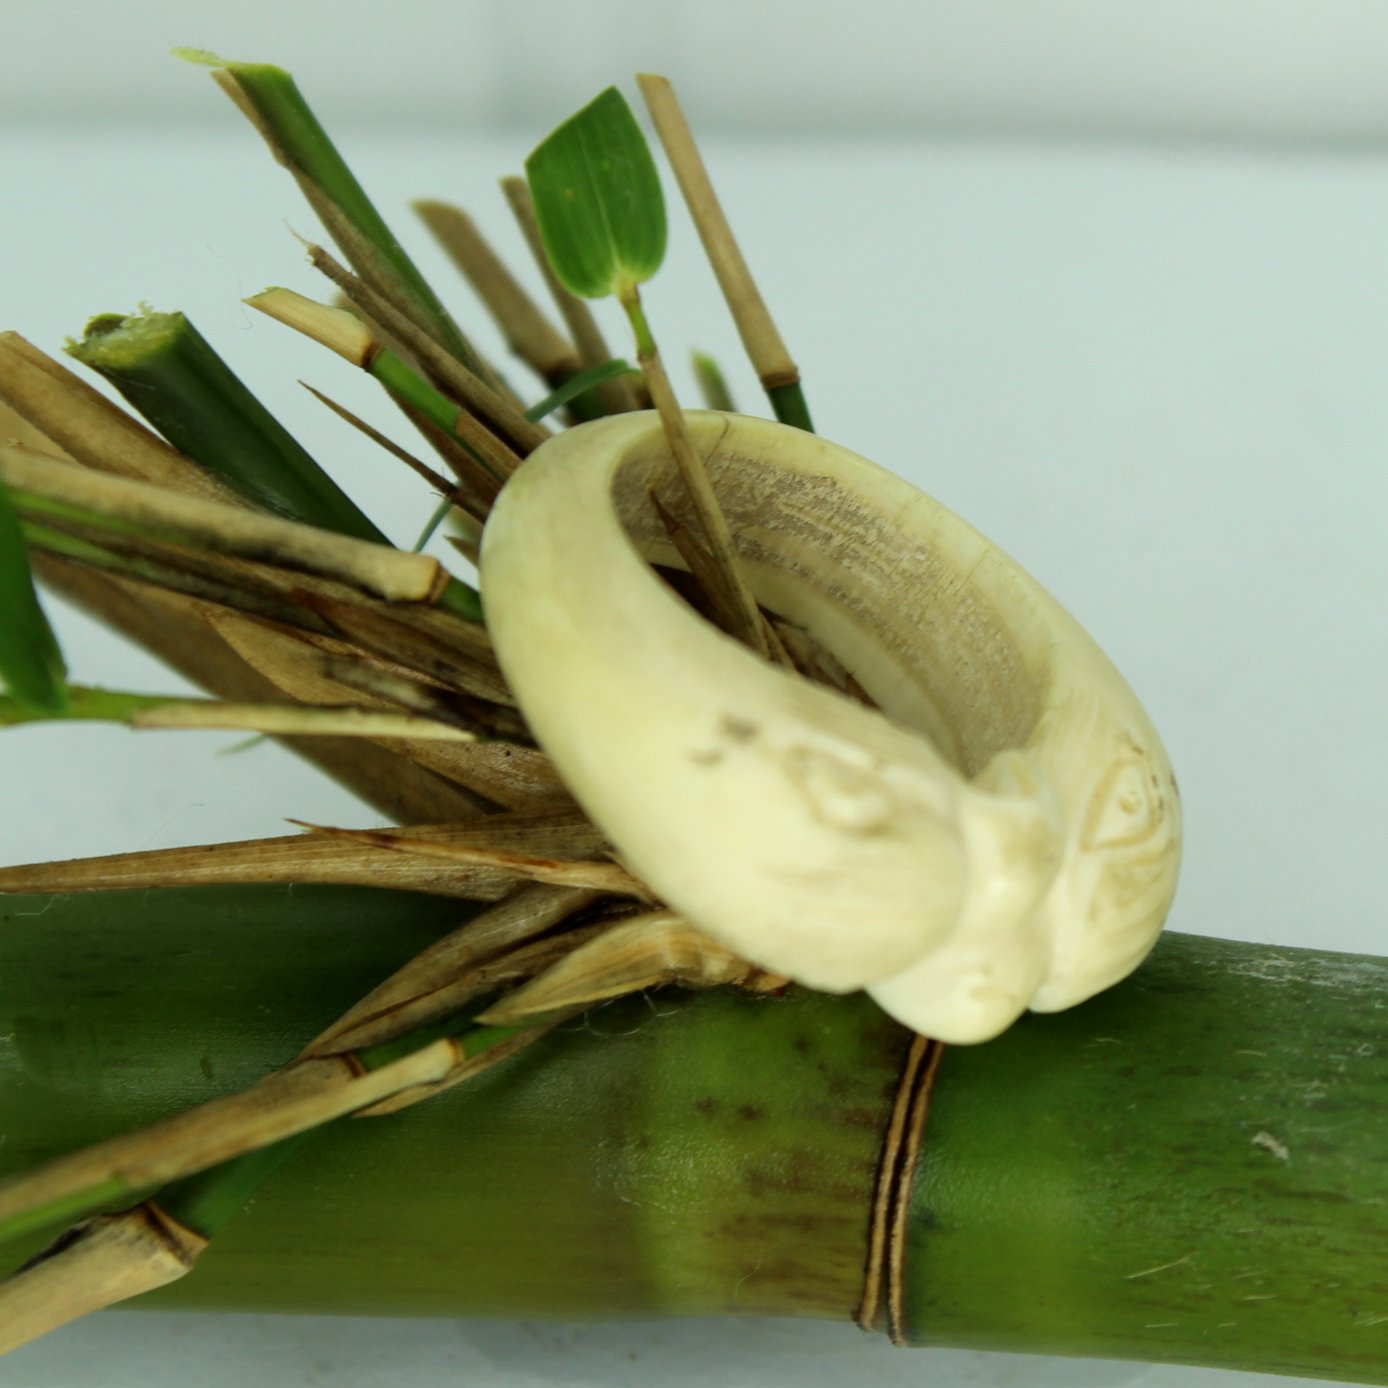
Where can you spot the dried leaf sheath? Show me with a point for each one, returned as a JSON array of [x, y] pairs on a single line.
[[324, 859]]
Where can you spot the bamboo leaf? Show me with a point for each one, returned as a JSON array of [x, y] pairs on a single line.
[[31, 662], [577, 384], [598, 200]]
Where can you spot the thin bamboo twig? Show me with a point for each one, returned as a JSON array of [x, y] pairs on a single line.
[[296, 721], [428, 698], [528, 332], [710, 595], [181, 634], [398, 635], [242, 587], [602, 876], [107, 1260], [465, 1068], [388, 289], [780, 376], [163, 514], [293, 1100], [449, 375], [315, 858], [508, 775], [163, 712], [712, 385], [435, 479], [734, 595], [657, 949], [617, 396], [461, 500], [431, 984], [485, 462]]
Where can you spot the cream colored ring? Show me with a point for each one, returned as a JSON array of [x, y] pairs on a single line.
[[1005, 834]]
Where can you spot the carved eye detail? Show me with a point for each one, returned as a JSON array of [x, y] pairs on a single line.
[[850, 797], [1128, 807]]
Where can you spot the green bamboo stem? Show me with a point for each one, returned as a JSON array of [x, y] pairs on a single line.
[[1186, 1169], [168, 372], [789, 405], [269, 96], [1190, 1168]]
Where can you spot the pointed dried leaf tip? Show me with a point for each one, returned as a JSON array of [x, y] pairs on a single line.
[[598, 200]]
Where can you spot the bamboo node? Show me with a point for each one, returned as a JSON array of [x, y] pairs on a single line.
[[779, 380], [902, 1145]]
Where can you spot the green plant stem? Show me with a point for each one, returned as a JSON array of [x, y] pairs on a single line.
[[300, 142], [172, 376], [87, 705], [402, 380], [205, 1202], [578, 386], [52, 541], [1108, 1181], [640, 325], [790, 406]]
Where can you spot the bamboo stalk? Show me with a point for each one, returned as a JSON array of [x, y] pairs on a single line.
[[110, 1259], [780, 377], [1124, 1179], [170, 373], [91, 429], [166, 515], [179, 633], [449, 375], [529, 334]]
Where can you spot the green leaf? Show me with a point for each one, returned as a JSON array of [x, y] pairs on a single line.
[[577, 384], [31, 662], [598, 200]]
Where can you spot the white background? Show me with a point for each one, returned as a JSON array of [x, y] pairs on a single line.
[[1095, 68], [1148, 358]]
